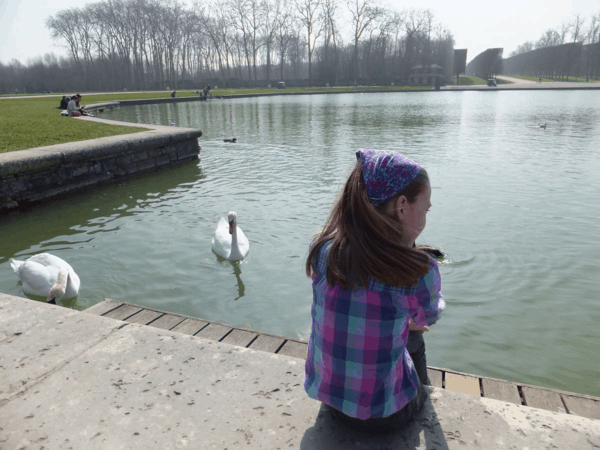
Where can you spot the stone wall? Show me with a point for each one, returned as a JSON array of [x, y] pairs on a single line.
[[27, 176]]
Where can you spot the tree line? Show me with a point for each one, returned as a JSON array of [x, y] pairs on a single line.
[[158, 44], [572, 49], [487, 64]]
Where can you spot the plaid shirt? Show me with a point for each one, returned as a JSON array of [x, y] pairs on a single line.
[[357, 360]]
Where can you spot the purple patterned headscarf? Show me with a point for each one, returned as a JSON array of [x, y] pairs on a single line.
[[386, 173]]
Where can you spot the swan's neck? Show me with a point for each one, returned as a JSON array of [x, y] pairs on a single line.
[[59, 288], [235, 248]]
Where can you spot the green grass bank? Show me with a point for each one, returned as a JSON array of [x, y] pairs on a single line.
[[474, 81], [35, 122]]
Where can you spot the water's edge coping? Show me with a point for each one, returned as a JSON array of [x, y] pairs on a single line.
[[28, 176]]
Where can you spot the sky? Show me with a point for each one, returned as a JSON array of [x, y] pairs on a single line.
[[476, 25]]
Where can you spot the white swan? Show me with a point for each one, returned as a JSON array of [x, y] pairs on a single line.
[[229, 240], [41, 275]]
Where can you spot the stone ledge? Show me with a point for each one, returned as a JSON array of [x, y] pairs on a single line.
[[122, 386], [32, 175]]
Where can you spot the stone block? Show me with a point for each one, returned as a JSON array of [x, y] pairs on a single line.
[[111, 166], [27, 161], [125, 158], [95, 167], [13, 185], [139, 156], [53, 178], [171, 153], [96, 149], [79, 170], [148, 164], [162, 160], [154, 153], [188, 150], [148, 140]]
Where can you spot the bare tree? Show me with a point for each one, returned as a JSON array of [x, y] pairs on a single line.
[[283, 36], [576, 28], [523, 48], [255, 25], [63, 26], [309, 13], [413, 25], [241, 23], [550, 38], [563, 31], [363, 12], [271, 12], [331, 32]]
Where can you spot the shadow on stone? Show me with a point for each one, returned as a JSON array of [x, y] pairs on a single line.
[[423, 432]]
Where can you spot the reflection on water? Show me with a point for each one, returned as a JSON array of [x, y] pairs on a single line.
[[514, 208], [236, 266]]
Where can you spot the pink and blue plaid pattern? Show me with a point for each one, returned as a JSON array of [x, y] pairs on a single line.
[[357, 360]]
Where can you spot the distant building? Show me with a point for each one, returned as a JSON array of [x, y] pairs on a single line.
[[426, 75]]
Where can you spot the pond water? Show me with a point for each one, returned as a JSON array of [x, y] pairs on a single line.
[[515, 207]]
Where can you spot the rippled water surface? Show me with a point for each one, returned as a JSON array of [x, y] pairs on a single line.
[[515, 207]]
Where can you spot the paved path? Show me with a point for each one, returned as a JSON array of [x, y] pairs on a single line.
[[549, 84], [72, 380], [515, 80], [518, 83]]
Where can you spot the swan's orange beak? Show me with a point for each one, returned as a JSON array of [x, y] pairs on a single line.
[[231, 227]]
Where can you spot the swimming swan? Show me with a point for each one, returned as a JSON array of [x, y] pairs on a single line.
[[229, 240], [41, 275]]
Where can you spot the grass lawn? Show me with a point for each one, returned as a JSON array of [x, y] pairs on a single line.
[[471, 81], [35, 122], [468, 81]]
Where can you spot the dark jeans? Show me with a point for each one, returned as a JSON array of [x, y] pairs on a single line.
[[416, 348], [384, 424]]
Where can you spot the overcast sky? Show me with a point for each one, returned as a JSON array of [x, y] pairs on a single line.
[[475, 24]]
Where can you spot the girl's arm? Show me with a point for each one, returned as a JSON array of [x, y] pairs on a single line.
[[428, 295]]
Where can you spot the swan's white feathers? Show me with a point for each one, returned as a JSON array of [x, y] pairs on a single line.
[[233, 247], [39, 273]]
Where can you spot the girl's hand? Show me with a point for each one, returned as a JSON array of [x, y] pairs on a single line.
[[412, 326]]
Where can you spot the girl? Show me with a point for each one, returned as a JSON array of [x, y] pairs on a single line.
[[369, 283]]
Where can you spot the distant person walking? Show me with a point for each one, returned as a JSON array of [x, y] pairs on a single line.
[[374, 294]]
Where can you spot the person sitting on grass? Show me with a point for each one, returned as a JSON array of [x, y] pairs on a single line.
[[64, 102], [74, 109]]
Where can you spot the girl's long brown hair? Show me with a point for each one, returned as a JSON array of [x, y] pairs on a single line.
[[367, 239]]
